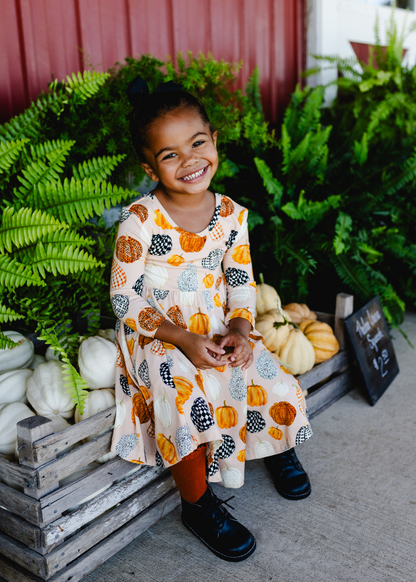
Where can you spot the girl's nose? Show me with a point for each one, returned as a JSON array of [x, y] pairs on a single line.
[[190, 159]]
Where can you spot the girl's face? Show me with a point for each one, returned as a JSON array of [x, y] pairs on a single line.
[[182, 153]]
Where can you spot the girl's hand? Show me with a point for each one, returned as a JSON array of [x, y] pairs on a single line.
[[243, 354], [198, 349]]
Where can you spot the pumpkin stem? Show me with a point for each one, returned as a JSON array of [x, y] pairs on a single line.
[[261, 278]]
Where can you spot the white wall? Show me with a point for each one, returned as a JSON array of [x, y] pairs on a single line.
[[331, 24]]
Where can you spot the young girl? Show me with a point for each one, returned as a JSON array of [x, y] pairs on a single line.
[[200, 391]]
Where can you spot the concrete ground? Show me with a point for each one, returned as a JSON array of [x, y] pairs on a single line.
[[359, 524]]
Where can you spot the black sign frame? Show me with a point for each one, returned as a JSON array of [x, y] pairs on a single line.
[[370, 338]]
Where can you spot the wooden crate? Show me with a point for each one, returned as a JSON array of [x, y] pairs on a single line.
[[42, 538]]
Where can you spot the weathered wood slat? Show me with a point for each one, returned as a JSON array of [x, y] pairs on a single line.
[[20, 504], [109, 522], [19, 529], [14, 573], [46, 448], [23, 476], [22, 555], [328, 318], [53, 472], [30, 430], [54, 504], [343, 308], [329, 393], [322, 371], [56, 532]]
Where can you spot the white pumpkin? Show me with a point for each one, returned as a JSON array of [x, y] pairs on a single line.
[[187, 297], [232, 478], [155, 276], [281, 389], [145, 236], [47, 393], [77, 475], [13, 385], [97, 400], [239, 295], [243, 229], [10, 415], [297, 353], [18, 356], [185, 367], [263, 449], [108, 334], [97, 362], [37, 359], [214, 386], [215, 326], [51, 355], [163, 411], [120, 413], [267, 297]]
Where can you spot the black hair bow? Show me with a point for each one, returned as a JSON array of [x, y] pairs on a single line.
[[138, 89]]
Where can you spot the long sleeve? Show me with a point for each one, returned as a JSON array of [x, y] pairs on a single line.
[[128, 273], [238, 271]]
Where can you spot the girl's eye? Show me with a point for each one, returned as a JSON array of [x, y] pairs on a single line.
[[197, 143], [169, 156]]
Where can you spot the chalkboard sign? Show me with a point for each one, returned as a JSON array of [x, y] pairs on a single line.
[[370, 338]]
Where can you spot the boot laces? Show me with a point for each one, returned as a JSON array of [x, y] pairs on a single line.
[[216, 512]]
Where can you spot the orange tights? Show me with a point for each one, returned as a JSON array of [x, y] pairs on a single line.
[[189, 475]]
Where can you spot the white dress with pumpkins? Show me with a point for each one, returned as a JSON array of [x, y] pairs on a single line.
[[166, 407]]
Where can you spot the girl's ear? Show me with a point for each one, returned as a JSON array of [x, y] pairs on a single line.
[[214, 137], [150, 172]]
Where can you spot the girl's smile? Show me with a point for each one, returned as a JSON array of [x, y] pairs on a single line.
[[195, 176]]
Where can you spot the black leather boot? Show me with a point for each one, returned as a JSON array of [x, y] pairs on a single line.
[[217, 529], [289, 477]]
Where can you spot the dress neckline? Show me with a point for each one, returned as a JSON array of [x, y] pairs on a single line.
[[173, 223]]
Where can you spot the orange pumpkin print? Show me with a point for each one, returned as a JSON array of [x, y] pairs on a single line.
[[285, 370], [139, 409], [130, 345], [217, 233], [160, 220], [190, 242], [151, 411], [255, 337], [140, 211], [157, 348], [227, 207], [199, 323], [176, 260], [227, 416], [283, 413], [199, 381], [131, 323], [208, 281], [150, 319], [216, 338], [217, 285], [129, 379], [253, 284], [211, 409], [128, 249], [243, 433], [166, 448], [241, 456], [118, 276], [151, 430], [175, 314], [137, 461], [251, 344], [120, 363], [241, 216], [146, 394], [184, 389], [275, 433], [243, 313], [256, 395], [301, 400], [225, 308], [168, 346], [221, 368], [144, 340], [241, 254], [217, 300]]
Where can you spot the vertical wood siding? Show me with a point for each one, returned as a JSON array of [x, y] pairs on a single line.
[[45, 39]]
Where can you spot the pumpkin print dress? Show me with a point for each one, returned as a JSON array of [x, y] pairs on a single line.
[[166, 407]]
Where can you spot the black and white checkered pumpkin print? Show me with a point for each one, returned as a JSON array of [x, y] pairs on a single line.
[[227, 448], [161, 245], [160, 294], [237, 385], [120, 305], [159, 460], [117, 326], [236, 277], [169, 361], [143, 372], [166, 376], [265, 366], [126, 444], [124, 214], [303, 434], [212, 261], [128, 330], [255, 421], [183, 440], [188, 279], [200, 415], [213, 467], [138, 286], [125, 385], [214, 219], [231, 239], [209, 304]]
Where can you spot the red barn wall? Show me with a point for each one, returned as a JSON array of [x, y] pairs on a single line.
[[44, 38]]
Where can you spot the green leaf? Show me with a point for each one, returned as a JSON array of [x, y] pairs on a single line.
[[272, 185], [9, 152], [343, 227], [62, 260], [361, 149], [14, 274], [85, 85], [6, 342], [7, 314], [97, 168], [254, 218]]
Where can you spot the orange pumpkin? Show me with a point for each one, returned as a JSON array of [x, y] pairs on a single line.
[[301, 400], [225, 308], [216, 338], [199, 323], [190, 242], [129, 379], [275, 433], [140, 211], [120, 363], [227, 416], [150, 319], [160, 220], [144, 340], [217, 300], [151, 411], [241, 456], [283, 413], [227, 207], [211, 409], [256, 395], [285, 370], [253, 284], [131, 323], [241, 254], [130, 345], [241, 216], [251, 344], [183, 387], [157, 348], [208, 281], [175, 314], [128, 249], [140, 409], [146, 394], [166, 448], [176, 260], [137, 461], [217, 233], [243, 433], [243, 313], [151, 430], [255, 337], [168, 346], [118, 276], [221, 368], [199, 381], [217, 285]]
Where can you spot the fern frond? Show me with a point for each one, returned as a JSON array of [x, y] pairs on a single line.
[[74, 200], [351, 274], [25, 125], [97, 168], [407, 175], [25, 226], [8, 314], [6, 342], [15, 274], [9, 152], [49, 147], [343, 227], [62, 260], [85, 85], [252, 89], [361, 149], [272, 185]]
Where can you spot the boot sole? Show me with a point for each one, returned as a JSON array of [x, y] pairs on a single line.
[[216, 552], [294, 497]]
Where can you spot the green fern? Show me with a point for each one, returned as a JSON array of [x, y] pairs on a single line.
[[343, 227], [6, 342], [15, 274], [9, 153], [272, 185], [62, 260], [85, 85], [97, 168], [7, 314], [25, 227]]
